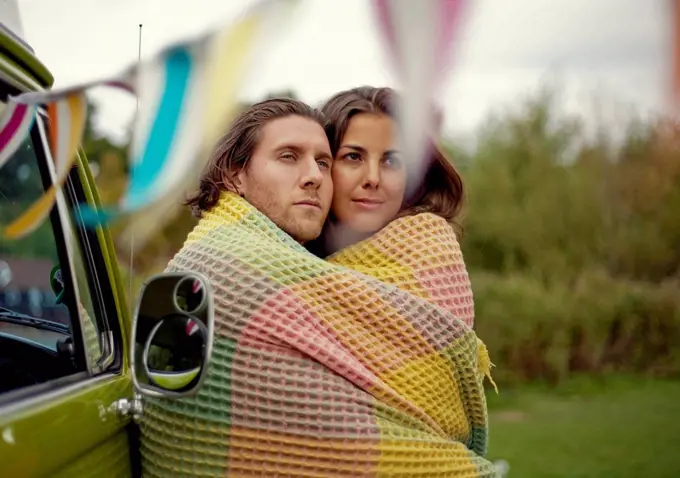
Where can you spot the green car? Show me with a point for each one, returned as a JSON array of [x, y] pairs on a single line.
[[70, 382]]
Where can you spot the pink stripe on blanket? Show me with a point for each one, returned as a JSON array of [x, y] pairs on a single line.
[[284, 323], [291, 376], [449, 287], [291, 394]]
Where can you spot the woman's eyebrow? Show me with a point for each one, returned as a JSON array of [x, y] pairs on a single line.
[[355, 147]]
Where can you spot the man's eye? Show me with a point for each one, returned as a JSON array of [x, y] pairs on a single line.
[[323, 163]]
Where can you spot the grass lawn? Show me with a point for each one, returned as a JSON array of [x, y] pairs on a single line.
[[621, 428]]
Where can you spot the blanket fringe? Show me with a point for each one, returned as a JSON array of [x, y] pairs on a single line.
[[484, 363]]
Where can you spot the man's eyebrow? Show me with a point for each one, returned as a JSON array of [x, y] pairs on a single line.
[[299, 149], [325, 155], [288, 146]]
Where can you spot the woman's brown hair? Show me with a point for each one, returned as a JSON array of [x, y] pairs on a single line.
[[438, 191]]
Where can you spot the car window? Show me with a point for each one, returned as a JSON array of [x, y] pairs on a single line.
[[48, 323]]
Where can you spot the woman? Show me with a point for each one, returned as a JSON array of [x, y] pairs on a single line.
[[370, 179], [419, 250]]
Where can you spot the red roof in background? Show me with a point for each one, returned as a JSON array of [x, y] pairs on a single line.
[[29, 273]]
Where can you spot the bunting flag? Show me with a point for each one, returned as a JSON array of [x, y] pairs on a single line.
[[66, 116], [187, 95], [231, 56], [675, 52], [15, 125], [405, 28], [419, 38]]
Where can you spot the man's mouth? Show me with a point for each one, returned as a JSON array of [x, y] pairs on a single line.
[[309, 203]]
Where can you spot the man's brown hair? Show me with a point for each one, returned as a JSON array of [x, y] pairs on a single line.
[[235, 148], [439, 190]]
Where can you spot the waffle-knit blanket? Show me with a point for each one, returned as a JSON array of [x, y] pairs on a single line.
[[419, 254], [319, 370]]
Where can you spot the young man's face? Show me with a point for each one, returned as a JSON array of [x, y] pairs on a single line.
[[288, 176]]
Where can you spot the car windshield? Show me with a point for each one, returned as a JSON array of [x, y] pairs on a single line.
[[28, 266]]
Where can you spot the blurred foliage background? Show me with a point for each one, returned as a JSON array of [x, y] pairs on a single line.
[[574, 245]]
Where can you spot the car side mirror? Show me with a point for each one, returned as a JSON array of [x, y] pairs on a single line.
[[172, 335]]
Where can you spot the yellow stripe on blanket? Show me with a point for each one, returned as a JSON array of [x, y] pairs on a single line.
[[218, 217], [378, 329], [425, 459], [369, 259], [426, 383]]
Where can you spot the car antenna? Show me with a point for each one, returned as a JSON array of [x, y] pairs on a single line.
[[132, 229]]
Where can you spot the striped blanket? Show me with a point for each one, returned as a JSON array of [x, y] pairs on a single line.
[[319, 369]]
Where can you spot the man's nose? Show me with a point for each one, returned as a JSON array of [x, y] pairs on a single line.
[[312, 175]]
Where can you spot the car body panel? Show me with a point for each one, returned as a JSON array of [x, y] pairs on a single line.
[[109, 253], [69, 427]]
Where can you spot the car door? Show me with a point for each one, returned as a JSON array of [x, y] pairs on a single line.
[[64, 373]]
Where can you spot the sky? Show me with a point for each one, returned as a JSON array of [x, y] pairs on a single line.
[[609, 56]]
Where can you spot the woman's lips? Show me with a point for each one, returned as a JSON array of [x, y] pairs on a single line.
[[367, 203]]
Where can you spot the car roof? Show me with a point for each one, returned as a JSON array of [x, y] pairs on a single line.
[[15, 52]]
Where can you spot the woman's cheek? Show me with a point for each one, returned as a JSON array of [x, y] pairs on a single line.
[[341, 184], [396, 187], [340, 197]]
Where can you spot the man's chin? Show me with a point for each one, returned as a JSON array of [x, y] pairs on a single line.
[[305, 231], [308, 226], [307, 236]]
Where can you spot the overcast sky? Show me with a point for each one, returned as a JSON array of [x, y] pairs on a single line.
[[614, 50]]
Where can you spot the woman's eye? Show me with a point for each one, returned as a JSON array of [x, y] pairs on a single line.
[[392, 160], [352, 156], [287, 157]]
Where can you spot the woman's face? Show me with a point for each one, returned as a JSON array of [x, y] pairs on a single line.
[[369, 178]]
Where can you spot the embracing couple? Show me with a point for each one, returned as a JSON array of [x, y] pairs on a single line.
[[343, 311]]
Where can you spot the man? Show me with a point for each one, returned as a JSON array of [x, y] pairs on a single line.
[[276, 156]]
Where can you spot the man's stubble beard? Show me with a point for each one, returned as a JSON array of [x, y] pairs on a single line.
[[300, 230]]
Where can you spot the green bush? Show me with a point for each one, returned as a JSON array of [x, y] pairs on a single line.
[[574, 241], [546, 199], [600, 325]]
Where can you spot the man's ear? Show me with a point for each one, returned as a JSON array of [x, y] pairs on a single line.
[[235, 181]]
